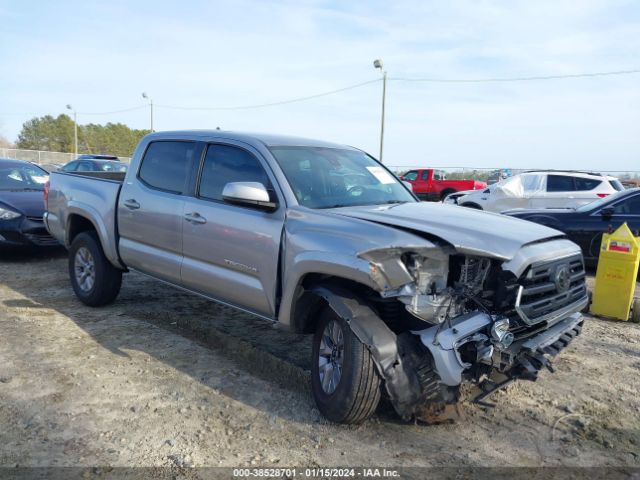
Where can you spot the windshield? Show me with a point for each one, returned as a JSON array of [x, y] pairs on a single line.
[[323, 177], [22, 177]]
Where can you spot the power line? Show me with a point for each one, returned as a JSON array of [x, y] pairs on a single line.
[[131, 109], [361, 84], [514, 79], [273, 104]]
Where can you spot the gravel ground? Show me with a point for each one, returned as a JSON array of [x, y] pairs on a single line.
[[164, 378]]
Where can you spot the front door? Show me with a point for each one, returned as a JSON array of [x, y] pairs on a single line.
[[231, 252]]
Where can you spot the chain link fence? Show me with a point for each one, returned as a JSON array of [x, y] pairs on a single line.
[[485, 174], [493, 174], [42, 157]]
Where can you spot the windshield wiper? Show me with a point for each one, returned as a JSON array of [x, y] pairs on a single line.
[[335, 205]]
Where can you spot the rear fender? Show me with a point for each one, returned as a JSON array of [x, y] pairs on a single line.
[[107, 240]]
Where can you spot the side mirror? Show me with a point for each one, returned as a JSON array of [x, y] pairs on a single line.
[[248, 194], [607, 212]]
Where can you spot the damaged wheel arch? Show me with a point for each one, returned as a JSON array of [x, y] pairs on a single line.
[[389, 351]]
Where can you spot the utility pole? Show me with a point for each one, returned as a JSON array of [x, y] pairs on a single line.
[[144, 95], [75, 129], [378, 64]]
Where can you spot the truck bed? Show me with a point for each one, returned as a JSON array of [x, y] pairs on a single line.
[[92, 194]]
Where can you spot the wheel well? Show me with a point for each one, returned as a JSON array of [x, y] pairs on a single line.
[[307, 305], [78, 224]]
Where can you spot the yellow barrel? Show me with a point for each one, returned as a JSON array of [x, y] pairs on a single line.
[[616, 274]]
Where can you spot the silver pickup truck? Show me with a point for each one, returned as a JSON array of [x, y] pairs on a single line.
[[403, 298]]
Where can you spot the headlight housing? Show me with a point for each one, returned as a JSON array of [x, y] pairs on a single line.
[[6, 214]]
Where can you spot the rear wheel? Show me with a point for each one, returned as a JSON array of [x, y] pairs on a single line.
[[94, 280], [345, 383], [445, 192]]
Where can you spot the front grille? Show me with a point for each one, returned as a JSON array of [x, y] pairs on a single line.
[[35, 219], [44, 240], [551, 287]]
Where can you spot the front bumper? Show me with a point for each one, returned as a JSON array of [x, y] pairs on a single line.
[[25, 232], [522, 359]]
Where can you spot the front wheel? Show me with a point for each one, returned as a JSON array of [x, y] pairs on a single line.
[[94, 280], [345, 383]]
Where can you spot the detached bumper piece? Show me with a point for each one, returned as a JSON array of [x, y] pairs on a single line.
[[524, 360]]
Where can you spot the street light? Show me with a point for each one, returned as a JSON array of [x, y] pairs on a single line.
[[75, 127], [144, 95], [378, 64]]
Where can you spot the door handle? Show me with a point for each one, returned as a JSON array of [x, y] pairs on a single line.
[[131, 204], [195, 217]]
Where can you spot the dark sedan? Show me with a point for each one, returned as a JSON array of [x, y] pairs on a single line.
[[22, 205], [586, 224], [95, 163]]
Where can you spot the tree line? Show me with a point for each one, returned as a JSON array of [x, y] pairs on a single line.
[[56, 134]]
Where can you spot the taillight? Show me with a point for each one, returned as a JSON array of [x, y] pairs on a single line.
[[602, 195], [46, 195]]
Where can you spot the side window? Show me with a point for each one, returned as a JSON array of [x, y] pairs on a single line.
[[531, 183], [70, 167], [425, 175], [84, 167], [584, 184], [411, 175], [630, 206], [166, 165], [225, 164], [560, 183]]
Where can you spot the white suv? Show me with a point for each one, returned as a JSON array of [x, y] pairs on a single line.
[[539, 189]]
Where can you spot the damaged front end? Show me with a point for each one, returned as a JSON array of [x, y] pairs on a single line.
[[443, 318]]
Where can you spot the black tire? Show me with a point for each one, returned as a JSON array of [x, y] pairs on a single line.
[[446, 192], [471, 205], [635, 311], [587, 308], [107, 278], [357, 394]]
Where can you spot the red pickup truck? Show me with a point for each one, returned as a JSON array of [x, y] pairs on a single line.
[[430, 184]]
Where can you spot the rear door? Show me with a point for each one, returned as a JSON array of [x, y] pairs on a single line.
[[151, 206], [231, 252], [559, 192]]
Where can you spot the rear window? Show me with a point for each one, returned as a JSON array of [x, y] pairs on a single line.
[[616, 185], [560, 183], [583, 184], [166, 165]]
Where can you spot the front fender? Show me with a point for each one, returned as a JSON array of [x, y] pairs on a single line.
[[348, 267]]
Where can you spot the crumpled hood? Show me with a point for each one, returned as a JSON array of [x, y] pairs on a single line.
[[468, 230], [26, 202]]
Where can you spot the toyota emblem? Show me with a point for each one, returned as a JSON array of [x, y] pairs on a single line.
[[563, 278]]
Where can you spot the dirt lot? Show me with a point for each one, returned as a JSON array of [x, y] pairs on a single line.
[[164, 378]]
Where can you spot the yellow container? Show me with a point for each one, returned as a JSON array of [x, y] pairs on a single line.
[[616, 274]]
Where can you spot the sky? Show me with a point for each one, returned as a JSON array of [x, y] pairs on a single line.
[[99, 56]]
